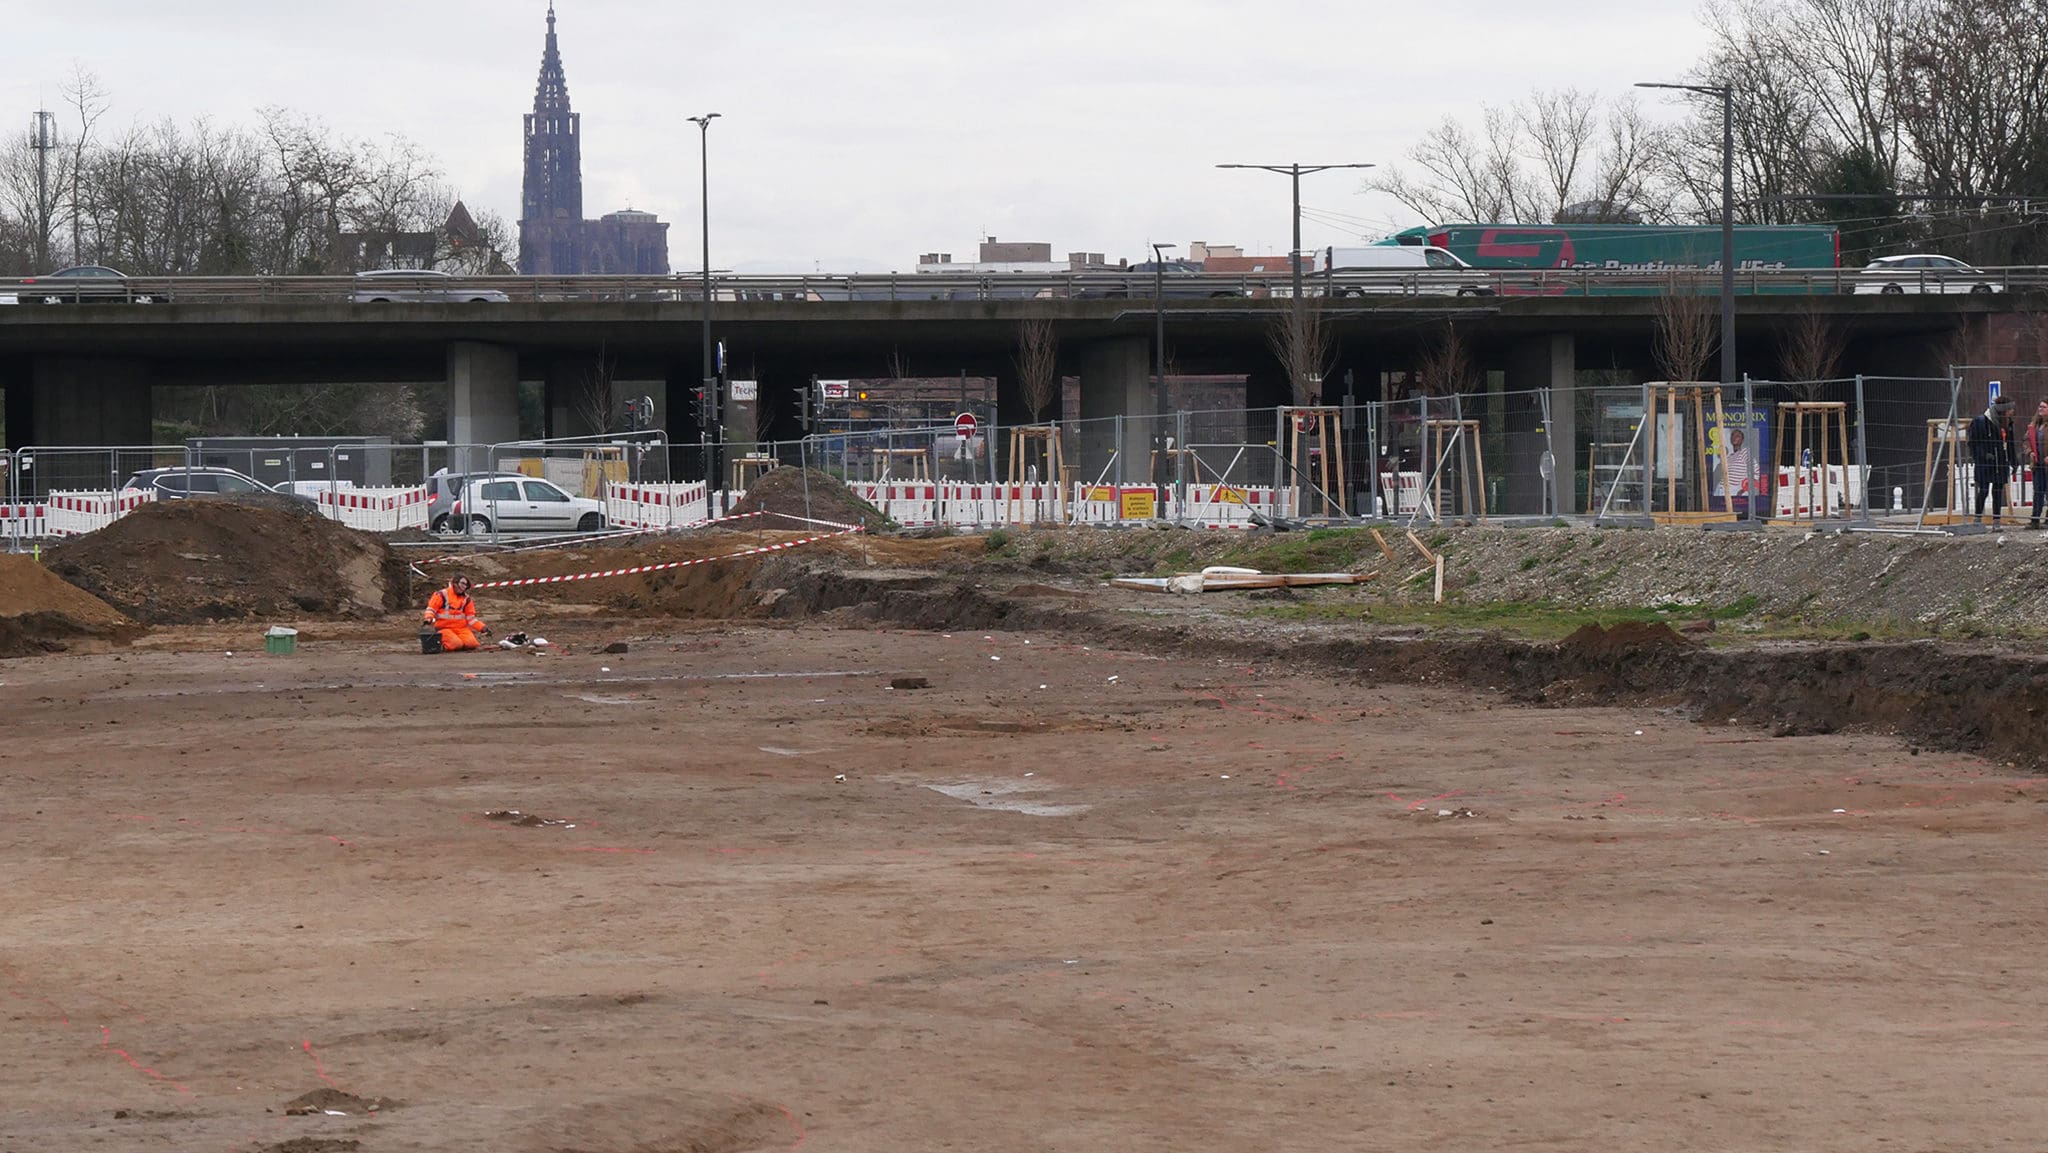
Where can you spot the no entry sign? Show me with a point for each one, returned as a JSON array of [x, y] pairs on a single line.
[[965, 424]]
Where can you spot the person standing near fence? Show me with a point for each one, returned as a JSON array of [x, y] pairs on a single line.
[[2037, 442], [1992, 456]]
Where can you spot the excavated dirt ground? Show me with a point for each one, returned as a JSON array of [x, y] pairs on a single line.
[[192, 561], [39, 613], [1132, 874], [1135, 872]]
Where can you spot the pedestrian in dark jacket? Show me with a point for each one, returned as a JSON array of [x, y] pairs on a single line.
[[2037, 459], [1993, 455]]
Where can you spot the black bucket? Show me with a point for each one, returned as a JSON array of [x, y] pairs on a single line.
[[430, 641]]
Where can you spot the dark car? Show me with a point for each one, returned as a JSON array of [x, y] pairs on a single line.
[[180, 483], [84, 284], [1174, 280]]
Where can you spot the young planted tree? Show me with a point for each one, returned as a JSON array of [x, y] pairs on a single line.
[[1446, 365], [1811, 352], [1306, 347], [1688, 328], [1038, 355]]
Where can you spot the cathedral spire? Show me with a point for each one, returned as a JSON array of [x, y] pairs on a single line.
[[551, 95], [552, 204]]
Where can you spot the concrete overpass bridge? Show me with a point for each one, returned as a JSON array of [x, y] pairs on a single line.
[[83, 375]]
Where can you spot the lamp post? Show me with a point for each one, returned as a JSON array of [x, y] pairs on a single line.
[[1159, 404], [1296, 172], [1726, 95], [713, 417]]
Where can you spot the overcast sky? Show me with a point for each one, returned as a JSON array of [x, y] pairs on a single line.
[[859, 135]]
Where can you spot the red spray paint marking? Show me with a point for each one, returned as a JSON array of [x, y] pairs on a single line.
[[795, 1124], [319, 1070], [107, 1044]]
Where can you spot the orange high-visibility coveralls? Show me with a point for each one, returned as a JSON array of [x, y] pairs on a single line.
[[453, 614]]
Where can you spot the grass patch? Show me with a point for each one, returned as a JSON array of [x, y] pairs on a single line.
[[1541, 621], [1319, 550]]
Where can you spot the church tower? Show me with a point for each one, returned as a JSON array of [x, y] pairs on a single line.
[[551, 212]]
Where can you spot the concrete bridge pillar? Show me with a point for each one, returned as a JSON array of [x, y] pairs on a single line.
[[1116, 380], [566, 408], [483, 397], [19, 414], [1541, 363], [85, 400]]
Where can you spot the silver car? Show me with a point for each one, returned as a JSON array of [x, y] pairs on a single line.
[[1922, 272], [420, 286]]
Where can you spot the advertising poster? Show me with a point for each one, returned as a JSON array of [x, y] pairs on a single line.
[[1738, 451]]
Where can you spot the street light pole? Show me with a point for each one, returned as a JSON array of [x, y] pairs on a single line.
[[711, 419], [1295, 172], [1159, 403], [1726, 95]]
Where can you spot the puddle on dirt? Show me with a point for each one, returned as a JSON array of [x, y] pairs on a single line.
[[1010, 796], [600, 699], [779, 751], [527, 820]]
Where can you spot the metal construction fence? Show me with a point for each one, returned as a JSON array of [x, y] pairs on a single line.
[[1867, 450]]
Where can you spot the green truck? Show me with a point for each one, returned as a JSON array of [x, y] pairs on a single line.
[[1640, 249]]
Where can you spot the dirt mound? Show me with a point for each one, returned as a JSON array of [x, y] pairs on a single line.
[[1592, 642], [39, 613], [194, 561], [782, 491], [322, 1099]]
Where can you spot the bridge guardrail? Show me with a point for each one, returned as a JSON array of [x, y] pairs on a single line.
[[1203, 289]]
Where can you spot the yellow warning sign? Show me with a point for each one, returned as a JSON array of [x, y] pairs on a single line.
[[1228, 495], [1101, 492], [1138, 504]]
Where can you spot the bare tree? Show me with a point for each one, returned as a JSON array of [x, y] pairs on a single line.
[[1811, 351], [597, 403], [1301, 338], [1688, 330], [88, 99], [1557, 154], [1458, 175], [1446, 365], [1038, 356]]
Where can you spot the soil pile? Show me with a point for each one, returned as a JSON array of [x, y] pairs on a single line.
[[783, 491], [39, 613], [1621, 640], [197, 561]]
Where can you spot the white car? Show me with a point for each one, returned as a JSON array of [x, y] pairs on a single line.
[[1374, 270], [524, 504], [420, 285], [1923, 272]]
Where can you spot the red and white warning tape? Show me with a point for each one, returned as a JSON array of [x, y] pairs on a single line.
[[647, 568]]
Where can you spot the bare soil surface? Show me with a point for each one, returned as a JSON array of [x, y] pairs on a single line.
[[40, 613], [793, 493], [1083, 893], [192, 561]]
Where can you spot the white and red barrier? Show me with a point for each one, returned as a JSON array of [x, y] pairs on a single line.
[[79, 512], [376, 509], [912, 505], [658, 505], [1401, 493], [1803, 491], [23, 521]]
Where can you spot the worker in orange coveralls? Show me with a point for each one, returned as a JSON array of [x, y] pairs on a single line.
[[452, 611]]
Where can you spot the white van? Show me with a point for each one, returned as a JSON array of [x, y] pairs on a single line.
[[1373, 264]]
